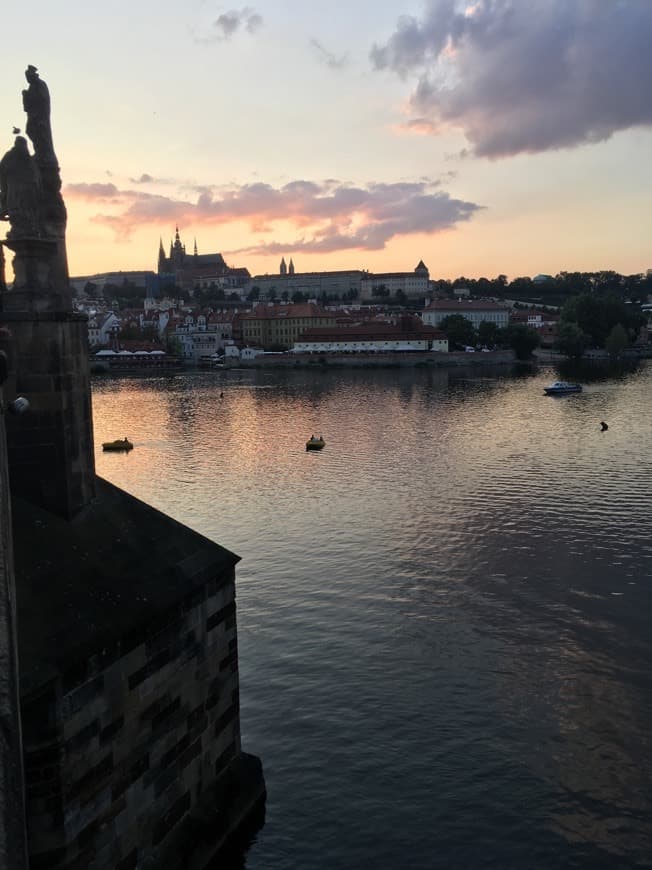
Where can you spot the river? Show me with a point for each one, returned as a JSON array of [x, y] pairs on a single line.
[[443, 617]]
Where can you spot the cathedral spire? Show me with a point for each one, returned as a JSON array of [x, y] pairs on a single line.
[[161, 256], [283, 267], [195, 251], [291, 267]]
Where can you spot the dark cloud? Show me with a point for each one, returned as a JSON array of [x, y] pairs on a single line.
[[333, 61], [525, 77], [330, 216]]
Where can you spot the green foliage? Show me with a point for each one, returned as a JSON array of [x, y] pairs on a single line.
[[489, 333], [173, 346], [459, 330], [596, 315], [127, 295], [617, 340], [521, 339], [298, 297], [571, 340], [210, 297]]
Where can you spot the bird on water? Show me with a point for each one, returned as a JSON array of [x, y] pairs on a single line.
[[604, 426]]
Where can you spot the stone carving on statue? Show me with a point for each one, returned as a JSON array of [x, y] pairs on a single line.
[[20, 192], [36, 102]]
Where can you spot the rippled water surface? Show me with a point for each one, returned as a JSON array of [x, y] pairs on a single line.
[[444, 617]]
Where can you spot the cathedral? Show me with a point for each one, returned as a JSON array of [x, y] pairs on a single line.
[[188, 271]]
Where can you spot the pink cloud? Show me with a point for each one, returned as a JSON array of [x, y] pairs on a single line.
[[330, 215]]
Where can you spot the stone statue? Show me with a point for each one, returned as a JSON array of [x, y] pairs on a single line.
[[20, 192], [36, 102]]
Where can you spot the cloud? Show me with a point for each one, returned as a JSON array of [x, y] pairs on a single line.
[[229, 23], [146, 178], [99, 190], [526, 77], [327, 216], [327, 57]]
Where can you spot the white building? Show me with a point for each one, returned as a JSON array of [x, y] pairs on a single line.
[[415, 285], [370, 338], [476, 311], [202, 336], [101, 328]]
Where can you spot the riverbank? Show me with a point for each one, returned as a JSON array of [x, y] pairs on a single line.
[[415, 359]]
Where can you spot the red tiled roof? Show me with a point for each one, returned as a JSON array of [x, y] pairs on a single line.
[[286, 312]]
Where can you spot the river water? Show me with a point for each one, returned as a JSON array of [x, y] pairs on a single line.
[[444, 616]]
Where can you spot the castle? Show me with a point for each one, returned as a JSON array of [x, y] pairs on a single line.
[[188, 271]]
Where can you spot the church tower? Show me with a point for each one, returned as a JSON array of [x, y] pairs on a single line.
[[291, 269], [178, 252], [284, 268], [161, 257]]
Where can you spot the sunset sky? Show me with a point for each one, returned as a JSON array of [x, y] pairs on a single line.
[[483, 137]]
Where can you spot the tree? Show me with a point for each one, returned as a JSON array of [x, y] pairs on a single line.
[[379, 290], [617, 340], [571, 340], [488, 333], [522, 339], [459, 330], [298, 297]]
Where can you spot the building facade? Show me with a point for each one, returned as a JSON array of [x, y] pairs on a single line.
[[475, 311], [371, 338], [277, 327], [187, 271], [414, 285], [312, 285]]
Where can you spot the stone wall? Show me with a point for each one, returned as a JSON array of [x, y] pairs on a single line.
[[133, 744], [413, 359], [51, 457], [129, 689]]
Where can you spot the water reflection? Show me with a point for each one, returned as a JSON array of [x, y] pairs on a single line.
[[443, 616]]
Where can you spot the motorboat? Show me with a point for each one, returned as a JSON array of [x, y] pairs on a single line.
[[315, 442], [119, 444], [560, 388]]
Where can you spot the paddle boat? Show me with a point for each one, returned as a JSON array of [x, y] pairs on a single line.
[[315, 443], [560, 388], [119, 444]]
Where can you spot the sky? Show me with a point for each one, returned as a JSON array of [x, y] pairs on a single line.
[[482, 136]]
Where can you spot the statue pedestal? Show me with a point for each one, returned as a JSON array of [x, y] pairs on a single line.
[[41, 284]]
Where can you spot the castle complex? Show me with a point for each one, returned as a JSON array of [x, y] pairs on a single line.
[[188, 271]]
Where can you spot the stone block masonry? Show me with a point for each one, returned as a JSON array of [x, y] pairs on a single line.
[[130, 690]]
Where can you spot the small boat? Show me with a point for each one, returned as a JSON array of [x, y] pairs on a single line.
[[315, 443], [560, 388], [118, 444]]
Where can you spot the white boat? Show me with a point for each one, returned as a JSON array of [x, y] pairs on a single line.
[[560, 388]]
